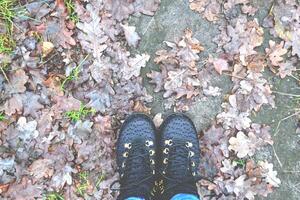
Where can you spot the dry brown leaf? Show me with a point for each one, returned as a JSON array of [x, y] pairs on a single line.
[[47, 47], [54, 85], [41, 168], [209, 9], [220, 65], [275, 52], [269, 174], [134, 66], [13, 105], [17, 79], [140, 107], [256, 63], [242, 144], [286, 69], [158, 119], [4, 188], [157, 78], [131, 36]]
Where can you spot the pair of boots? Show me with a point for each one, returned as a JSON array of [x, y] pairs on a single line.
[[157, 164]]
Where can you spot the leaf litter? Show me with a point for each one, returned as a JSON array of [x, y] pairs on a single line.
[[44, 151]]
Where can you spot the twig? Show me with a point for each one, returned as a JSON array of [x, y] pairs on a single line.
[[286, 94], [4, 74], [276, 156], [239, 77], [289, 171], [152, 19], [297, 79], [279, 123], [47, 60]]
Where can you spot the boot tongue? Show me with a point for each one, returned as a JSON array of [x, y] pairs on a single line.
[[138, 171], [178, 170], [178, 164]]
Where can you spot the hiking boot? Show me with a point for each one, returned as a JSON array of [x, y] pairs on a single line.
[[179, 157], [136, 157]]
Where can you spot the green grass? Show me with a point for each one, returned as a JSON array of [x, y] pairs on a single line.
[[7, 14], [240, 162], [53, 196], [73, 75], [2, 116], [100, 179], [3, 70], [83, 183], [83, 111], [7, 43], [71, 11]]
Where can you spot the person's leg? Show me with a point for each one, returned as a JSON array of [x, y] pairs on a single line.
[[185, 197], [134, 198], [135, 149], [179, 158]]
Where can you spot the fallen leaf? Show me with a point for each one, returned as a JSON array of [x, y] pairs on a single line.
[[27, 130], [269, 173], [134, 66], [157, 119], [25, 189], [275, 52], [4, 188], [131, 36], [47, 47], [241, 145], [41, 168], [212, 91], [220, 65], [13, 105], [286, 69], [17, 79], [53, 82], [141, 108]]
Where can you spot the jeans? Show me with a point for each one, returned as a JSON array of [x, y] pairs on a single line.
[[176, 197]]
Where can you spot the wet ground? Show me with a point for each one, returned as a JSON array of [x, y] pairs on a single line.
[[167, 24]]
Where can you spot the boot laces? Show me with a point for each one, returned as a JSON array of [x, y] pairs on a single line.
[[137, 173]]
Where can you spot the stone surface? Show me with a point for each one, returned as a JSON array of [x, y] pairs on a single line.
[[167, 24]]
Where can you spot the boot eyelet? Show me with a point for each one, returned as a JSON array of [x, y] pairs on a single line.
[[168, 142], [194, 173], [163, 172], [152, 162], [151, 152], [165, 161], [193, 164], [123, 165], [153, 172], [191, 154], [149, 143], [125, 154], [189, 144], [121, 175], [127, 145], [166, 151]]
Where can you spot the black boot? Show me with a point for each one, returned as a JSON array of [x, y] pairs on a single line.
[[179, 157], [136, 149]]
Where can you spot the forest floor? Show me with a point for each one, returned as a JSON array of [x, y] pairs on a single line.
[[71, 71]]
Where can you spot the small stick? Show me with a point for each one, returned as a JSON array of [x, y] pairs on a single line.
[[295, 77], [4, 74], [276, 156], [148, 25], [47, 60], [279, 123], [234, 76], [286, 94], [289, 171]]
